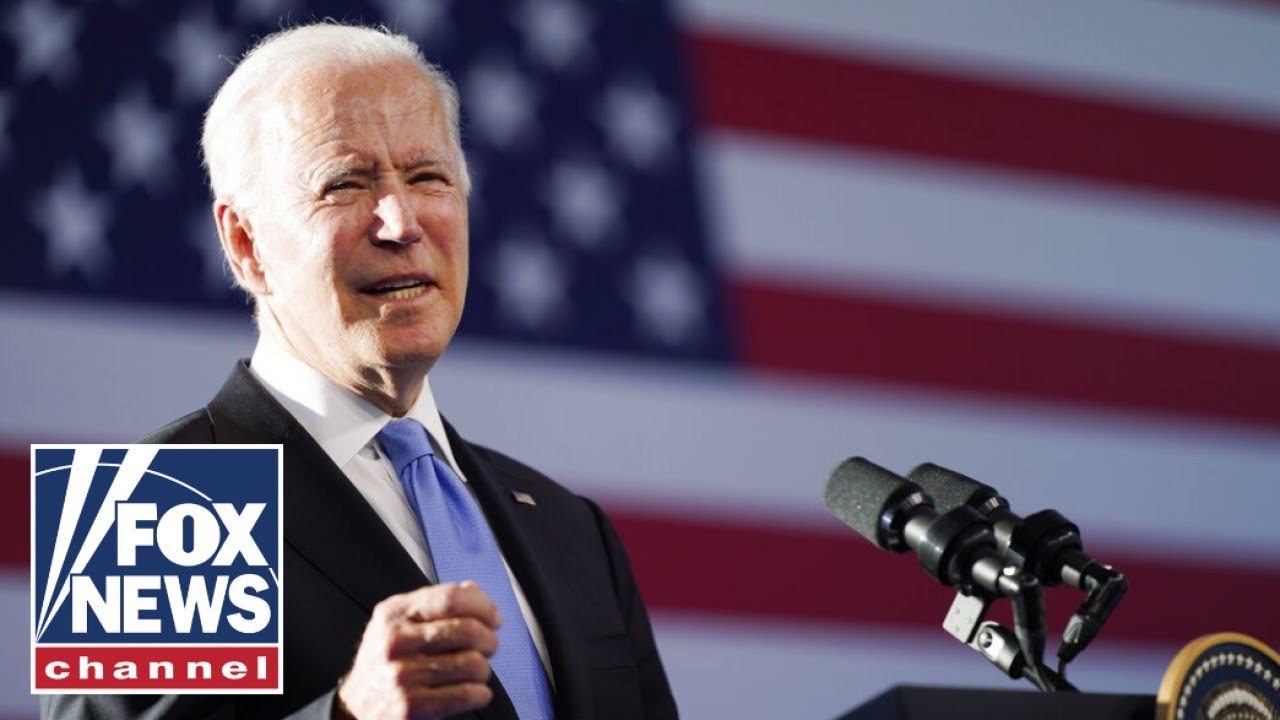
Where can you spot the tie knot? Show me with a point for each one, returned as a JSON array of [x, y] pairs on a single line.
[[404, 440]]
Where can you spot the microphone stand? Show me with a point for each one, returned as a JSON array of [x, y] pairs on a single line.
[[1018, 653], [959, 548], [1048, 546], [1104, 594], [988, 553]]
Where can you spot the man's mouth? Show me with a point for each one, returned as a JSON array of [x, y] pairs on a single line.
[[399, 289]]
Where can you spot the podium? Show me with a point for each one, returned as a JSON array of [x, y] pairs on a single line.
[[906, 702]]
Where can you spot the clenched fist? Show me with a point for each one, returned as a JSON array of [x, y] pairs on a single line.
[[423, 656]]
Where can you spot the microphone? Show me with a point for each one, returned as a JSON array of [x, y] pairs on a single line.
[[1045, 544], [956, 547]]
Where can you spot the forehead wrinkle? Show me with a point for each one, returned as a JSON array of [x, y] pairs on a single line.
[[358, 96], [341, 120], [322, 115]]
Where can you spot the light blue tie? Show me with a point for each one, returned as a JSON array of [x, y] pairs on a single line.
[[463, 548]]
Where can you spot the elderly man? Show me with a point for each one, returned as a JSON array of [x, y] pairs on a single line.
[[424, 576]]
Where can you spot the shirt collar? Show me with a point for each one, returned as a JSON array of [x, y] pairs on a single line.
[[342, 422]]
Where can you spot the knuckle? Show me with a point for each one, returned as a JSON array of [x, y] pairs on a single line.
[[430, 704], [459, 633], [478, 695], [474, 664], [458, 698], [469, 630], [380, 641], [373, 648], [451, 597], [485, 640], [436, 633]]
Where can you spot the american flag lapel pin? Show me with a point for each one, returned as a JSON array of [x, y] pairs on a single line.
[[523, 498]]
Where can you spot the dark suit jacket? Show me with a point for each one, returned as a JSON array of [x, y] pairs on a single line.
[[340, 560]]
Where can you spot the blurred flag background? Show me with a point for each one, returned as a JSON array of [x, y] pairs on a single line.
[[718, 246]]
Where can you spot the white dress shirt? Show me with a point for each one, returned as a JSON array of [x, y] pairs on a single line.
[[346, 426]]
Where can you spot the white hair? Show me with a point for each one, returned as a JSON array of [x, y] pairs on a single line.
[[231, 123]]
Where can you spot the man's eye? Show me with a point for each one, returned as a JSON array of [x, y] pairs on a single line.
[[427, 177], [340, 185]]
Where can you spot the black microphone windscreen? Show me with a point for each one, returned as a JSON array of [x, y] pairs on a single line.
[[949, 489], [858, 492]]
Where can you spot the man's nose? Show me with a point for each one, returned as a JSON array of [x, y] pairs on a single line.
[[398, 221]]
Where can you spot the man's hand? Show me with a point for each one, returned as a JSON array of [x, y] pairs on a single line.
[[423, 655]]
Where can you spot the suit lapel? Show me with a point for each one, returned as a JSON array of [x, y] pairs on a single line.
[[326, 520], [510, 521]]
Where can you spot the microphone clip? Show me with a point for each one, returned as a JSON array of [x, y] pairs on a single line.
[[1020, 652]]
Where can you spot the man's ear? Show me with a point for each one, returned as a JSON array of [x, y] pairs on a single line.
[[240, 246]]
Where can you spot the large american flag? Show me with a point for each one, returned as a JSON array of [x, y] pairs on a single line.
[[718, 246]]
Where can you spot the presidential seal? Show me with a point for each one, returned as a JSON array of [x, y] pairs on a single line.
[[1224, 676]]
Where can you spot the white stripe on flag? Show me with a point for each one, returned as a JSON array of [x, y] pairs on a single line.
[[759, 446], [701, 441], [1214, 56], [16, 602], [870, 222], [92, 371]]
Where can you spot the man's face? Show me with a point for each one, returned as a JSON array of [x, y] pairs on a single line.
[[359, 220]]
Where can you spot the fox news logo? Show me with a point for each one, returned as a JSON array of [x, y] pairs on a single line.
[[156, 568]]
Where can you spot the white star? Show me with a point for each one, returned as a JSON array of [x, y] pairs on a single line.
[[140, 138], [639, 123], [556, 32], [215, 274], [415, 17], [530, 282], [501, 103], [74, 222], [43, 34], [201, 55], [6, 112], [584, 200], [667, 297]]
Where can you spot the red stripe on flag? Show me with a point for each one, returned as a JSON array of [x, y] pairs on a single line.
[[849, 335], [829, 574], [832, 575], [15, 511], [861, 100]]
